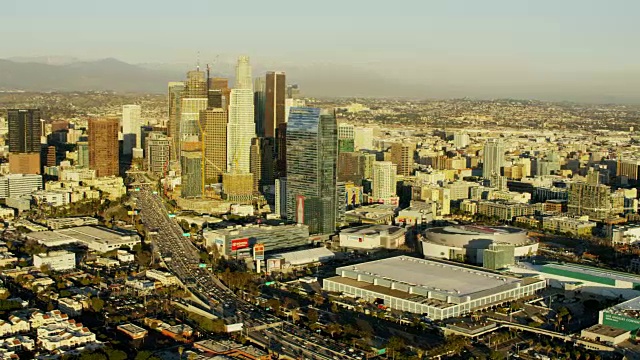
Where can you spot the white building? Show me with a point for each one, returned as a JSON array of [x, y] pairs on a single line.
[[369, 237], [125, 256], [57, 260], [363, 138], [131, 123], [167, 279], [241, 125], [626, 234], [16, 185], [99, 239], [346, 131], [460, 140], [70, 306], [493, 158], [384, 180]]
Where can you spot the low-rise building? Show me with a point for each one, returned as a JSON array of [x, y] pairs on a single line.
[[63, 223], [70, 307], [239, 240], [605, 334], [97, 238], [371, 214], [167, 279], [574, 226], [624, 234], [125, 256], [133, 331], [372, 237], [57, 260], [299, 258]]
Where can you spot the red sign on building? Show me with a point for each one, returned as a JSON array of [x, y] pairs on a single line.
[[238, 244]]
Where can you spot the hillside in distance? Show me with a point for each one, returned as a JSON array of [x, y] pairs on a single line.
[[329, 80]]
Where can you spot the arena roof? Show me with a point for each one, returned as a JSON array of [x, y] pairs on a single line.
[[475, 230], [432, 275]]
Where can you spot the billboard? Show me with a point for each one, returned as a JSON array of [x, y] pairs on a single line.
[[238, 244], [274, 264], [300, 209], [233, 327], [356, 239], [258, 252]]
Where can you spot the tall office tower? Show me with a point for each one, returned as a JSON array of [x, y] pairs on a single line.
[[241, 126], [281, 150], [157, 153], [214, 138], [131, 124], [25, 130], [493, 158], [281, 197], [460, 140], [274, 106], [237, 187], [259, 103], [262, 165], [384, 180], [83, 154], [194, 100], [176, 89], [51, 156], [311, 169], [104, 149], [402, 155], [191, 165]]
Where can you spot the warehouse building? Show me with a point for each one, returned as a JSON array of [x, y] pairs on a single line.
[[97, 238], [299, 258], [437, 290], [237, 241]]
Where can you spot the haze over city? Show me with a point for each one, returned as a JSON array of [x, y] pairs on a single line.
[[548, 50], [293, 180]]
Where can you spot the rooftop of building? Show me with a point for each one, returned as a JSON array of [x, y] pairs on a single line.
[[373, 229], [594, 271], [80, 233], [606, 330], [304, 256], [630, 308], [476, 230], [54, 254], [432, 275], [134, 329]]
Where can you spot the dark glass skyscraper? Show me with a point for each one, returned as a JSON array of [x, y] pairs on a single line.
[[24, 130], [312, 149], [274, 102]]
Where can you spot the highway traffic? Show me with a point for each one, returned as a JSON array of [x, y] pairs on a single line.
[[181, 258]]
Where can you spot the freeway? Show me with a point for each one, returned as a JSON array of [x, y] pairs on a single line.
[[182, 259]]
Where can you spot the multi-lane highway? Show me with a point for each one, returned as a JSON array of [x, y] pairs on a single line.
[[182, 258]]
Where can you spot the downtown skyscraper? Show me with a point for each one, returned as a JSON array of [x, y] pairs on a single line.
[[492, 158], [176, 89], [131, 124], [25, 130], [275, 89], [241, 125], [104, 149], [312, 150]]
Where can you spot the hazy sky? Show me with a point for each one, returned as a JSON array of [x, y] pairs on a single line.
[[405, 39]]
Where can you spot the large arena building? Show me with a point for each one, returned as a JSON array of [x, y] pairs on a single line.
[[436, 289], [468, 242]]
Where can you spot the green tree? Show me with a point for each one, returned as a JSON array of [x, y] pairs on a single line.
[[97, 304]]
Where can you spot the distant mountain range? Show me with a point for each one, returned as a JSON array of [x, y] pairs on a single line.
[[61, 73]]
